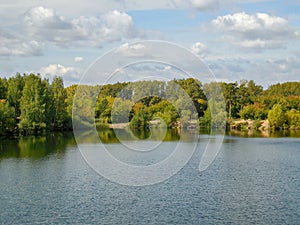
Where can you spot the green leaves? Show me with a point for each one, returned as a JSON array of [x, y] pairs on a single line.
[[276, 117], [33, 105], [59, 117], [7, 118]]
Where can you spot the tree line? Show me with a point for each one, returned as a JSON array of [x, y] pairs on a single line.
[[30, 104], [143, 101]]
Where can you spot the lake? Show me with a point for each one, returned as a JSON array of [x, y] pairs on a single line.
[[45, 180]]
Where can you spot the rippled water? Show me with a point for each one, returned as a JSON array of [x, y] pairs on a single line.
[[252, 181]]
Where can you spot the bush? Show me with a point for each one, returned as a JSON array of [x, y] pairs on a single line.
[[293, 118], [139, 121], [276, 117]]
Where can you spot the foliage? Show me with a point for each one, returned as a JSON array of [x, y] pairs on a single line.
[[121, 111], [7, 118], [59, 116], [3, 88], [253, 112], [33, 105], [139, 121], [284, 89], [71, 90], [14, 92], [205, 121], [293, 118], [30, 104], [276, 117]]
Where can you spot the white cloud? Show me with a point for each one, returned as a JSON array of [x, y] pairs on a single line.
[[11, 10], [78, 59], [199, 49], [10, 45], [265, 72], [117, 25], [257, 31], [40, 17], [260, 44], [58, 70], [46, 24], [134, 50], [287, 65]]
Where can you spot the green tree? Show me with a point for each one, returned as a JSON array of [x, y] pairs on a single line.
[[285, 89], [243, 95], [84, 103], [276, 117], [254, 90], [139, 121], [121, 110], [14, 92], [33, 105], [59, 116], [101, 105], [7, 118], [217, 113], [194, 89], [254, 112], [293, 102], [164, 110], [105, 115], [71, 90], [231, 95], [293, 118], [3, 88]]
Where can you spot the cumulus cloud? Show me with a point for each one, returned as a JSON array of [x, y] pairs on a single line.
[[134, 50], [11, 9], [10, 45], [199, 49], [116, 23], [59, 70], [46, 24], [40, 17], [257, 31]]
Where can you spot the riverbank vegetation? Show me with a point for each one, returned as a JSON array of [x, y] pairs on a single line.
[[32, 105]]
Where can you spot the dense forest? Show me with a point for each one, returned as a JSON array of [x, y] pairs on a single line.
[[32, 105]]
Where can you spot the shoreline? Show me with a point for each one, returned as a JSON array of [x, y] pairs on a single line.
[[259, 125]]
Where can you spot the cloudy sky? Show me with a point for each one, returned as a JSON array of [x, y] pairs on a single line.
[[237, 39]]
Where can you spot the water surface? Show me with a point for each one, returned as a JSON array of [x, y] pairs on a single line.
[[44, 180]]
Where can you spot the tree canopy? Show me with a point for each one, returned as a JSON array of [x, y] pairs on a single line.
[[30, 104]]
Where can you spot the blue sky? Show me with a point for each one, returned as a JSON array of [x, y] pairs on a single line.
[[249, 39]]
